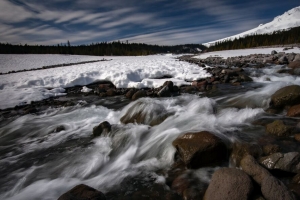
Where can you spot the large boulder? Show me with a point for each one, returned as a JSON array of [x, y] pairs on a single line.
[[294, 111], [229, 183], [200, 149], [102, 128], [239, 150], [82, 192], [254, 169], [273, 188], [294, 64], [278, 128], [286, 96], [145, 112], [289, 162]]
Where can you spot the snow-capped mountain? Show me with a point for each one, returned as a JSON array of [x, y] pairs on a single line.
[[287, 20]]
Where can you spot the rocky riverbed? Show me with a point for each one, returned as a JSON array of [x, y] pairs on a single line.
[[234, 135]]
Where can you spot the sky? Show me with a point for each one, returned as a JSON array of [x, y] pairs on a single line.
[[162, 22]]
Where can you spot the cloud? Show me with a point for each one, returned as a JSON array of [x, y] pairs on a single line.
[[12, 13]]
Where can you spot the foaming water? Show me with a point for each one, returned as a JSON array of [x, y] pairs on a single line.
[[34, 155], [43, 156]]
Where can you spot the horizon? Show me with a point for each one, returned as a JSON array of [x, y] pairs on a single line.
[[150, 22]]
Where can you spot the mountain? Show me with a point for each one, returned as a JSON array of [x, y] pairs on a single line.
[[287, 20]]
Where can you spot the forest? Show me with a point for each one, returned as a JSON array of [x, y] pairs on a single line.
[[291, 36], [100, 49]]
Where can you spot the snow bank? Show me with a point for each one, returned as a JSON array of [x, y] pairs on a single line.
[[124, 72], [245, 52]]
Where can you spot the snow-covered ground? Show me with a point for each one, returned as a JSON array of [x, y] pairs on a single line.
[[244, 52], [124, 72], [9, 62], [287, 20]]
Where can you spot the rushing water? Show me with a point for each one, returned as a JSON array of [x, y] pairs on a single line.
[[37, 162]]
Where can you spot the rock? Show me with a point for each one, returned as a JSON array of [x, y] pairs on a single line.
[[273, 52], [239, 150], [58, 129], [278, 128], [170, 85], [270, 149], [111, 92], [297, 137], [164, 92], [297, 57], [139, 94], [283, 60], [272, 188], [294, 64], [289, 162], [229, 183], [200, 149], [102, 128], [82, 192], [188, 186], [246, 78], [291, 57], [130, 93], [294, 111], [286, 96], [253, 169], [145, 112]]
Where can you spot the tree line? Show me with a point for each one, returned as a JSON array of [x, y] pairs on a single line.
[[99, 49], [290, 36]]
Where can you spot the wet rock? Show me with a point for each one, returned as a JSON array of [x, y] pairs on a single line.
[[286, 96], [200, 149], [130, 93], [289, 162], [188, 186], [58, 129], [82, 192], [145, 112], [291, 57], [254, 169], [170, 85], [273, 188], [294, 64], [111, 92], [246, 78], [297, 137], [294, 111], [165, 92], [139, 94], [270, 149], [278, 128], [229, 183], [283, 60], [239, 150], [297, 57], [102, 128]]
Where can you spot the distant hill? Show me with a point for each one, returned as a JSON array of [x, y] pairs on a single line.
[[285, 21]]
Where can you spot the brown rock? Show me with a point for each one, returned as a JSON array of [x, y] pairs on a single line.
[[294, 111], [286, 96], [111, 92], [273, 188], [200, 149], [239, 150], [139, 94], [229, 183], [294, 64], [278, 128], [270, 149], [130, 93], [102, 128], [297, 137], [255, 170], [82, 192]]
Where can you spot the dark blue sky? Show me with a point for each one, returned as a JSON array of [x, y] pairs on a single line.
[[162, 22]]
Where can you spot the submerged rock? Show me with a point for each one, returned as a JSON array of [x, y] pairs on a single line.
[[239, 150], [145, 112], [102, 128], [200, 149], [82, 192], [229, 183]]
